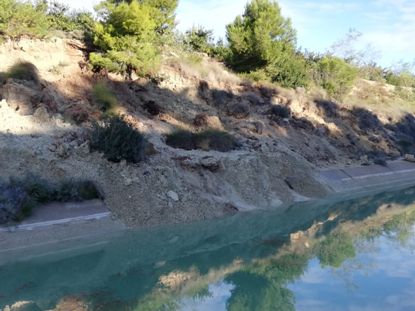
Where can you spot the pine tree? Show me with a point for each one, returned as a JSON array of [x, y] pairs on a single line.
[[263, 41], [258, 36], [129, 33]]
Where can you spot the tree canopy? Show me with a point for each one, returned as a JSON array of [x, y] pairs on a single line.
[[23, 18], [258, 36], [128, 34], [262, 39]]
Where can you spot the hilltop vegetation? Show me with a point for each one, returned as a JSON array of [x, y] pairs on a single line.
[[129, 37]]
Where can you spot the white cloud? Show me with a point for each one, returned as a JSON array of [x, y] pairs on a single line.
[[396, 32], [213, 14]]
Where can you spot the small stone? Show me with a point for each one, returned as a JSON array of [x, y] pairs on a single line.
[[52, 148], [62, 151], [41, 115], [259, 127], [173, 195], [210, 163], [128, 182]]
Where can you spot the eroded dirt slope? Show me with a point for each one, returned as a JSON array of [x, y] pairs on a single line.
[[44, 125]]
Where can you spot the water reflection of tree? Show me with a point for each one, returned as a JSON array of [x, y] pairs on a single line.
[[262, 286], [335, 249]]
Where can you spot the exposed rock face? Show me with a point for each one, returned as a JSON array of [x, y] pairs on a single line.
[[282, 136]]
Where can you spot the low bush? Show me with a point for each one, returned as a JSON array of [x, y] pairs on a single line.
[[200, 120], [76, 191], [280, 112], [239, 110], [216, 140], [289, 70], [118, 140], [23, 71], [104, 97], [366, 119], [19, 197], [206, 140], [181, 139], [152, 108]]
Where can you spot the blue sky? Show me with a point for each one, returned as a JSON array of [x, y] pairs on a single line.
[[387, 26]]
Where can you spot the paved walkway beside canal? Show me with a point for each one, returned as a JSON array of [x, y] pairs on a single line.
[[365, 178]]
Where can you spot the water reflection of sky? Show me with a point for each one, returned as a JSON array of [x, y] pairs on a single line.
[[381, 277]]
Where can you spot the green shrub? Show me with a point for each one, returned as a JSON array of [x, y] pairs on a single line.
[[38, 189], [21, 196], [23, 71], [104, 97], [76, 191], [335, 76], [206, 140], [260, 75], [118, 140], [289, 70], [181, 139], [23, 18], [216, 140]]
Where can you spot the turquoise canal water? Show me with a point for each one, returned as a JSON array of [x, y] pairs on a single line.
[[349, 254]]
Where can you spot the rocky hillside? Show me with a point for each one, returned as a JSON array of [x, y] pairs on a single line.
[[283, 135]]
